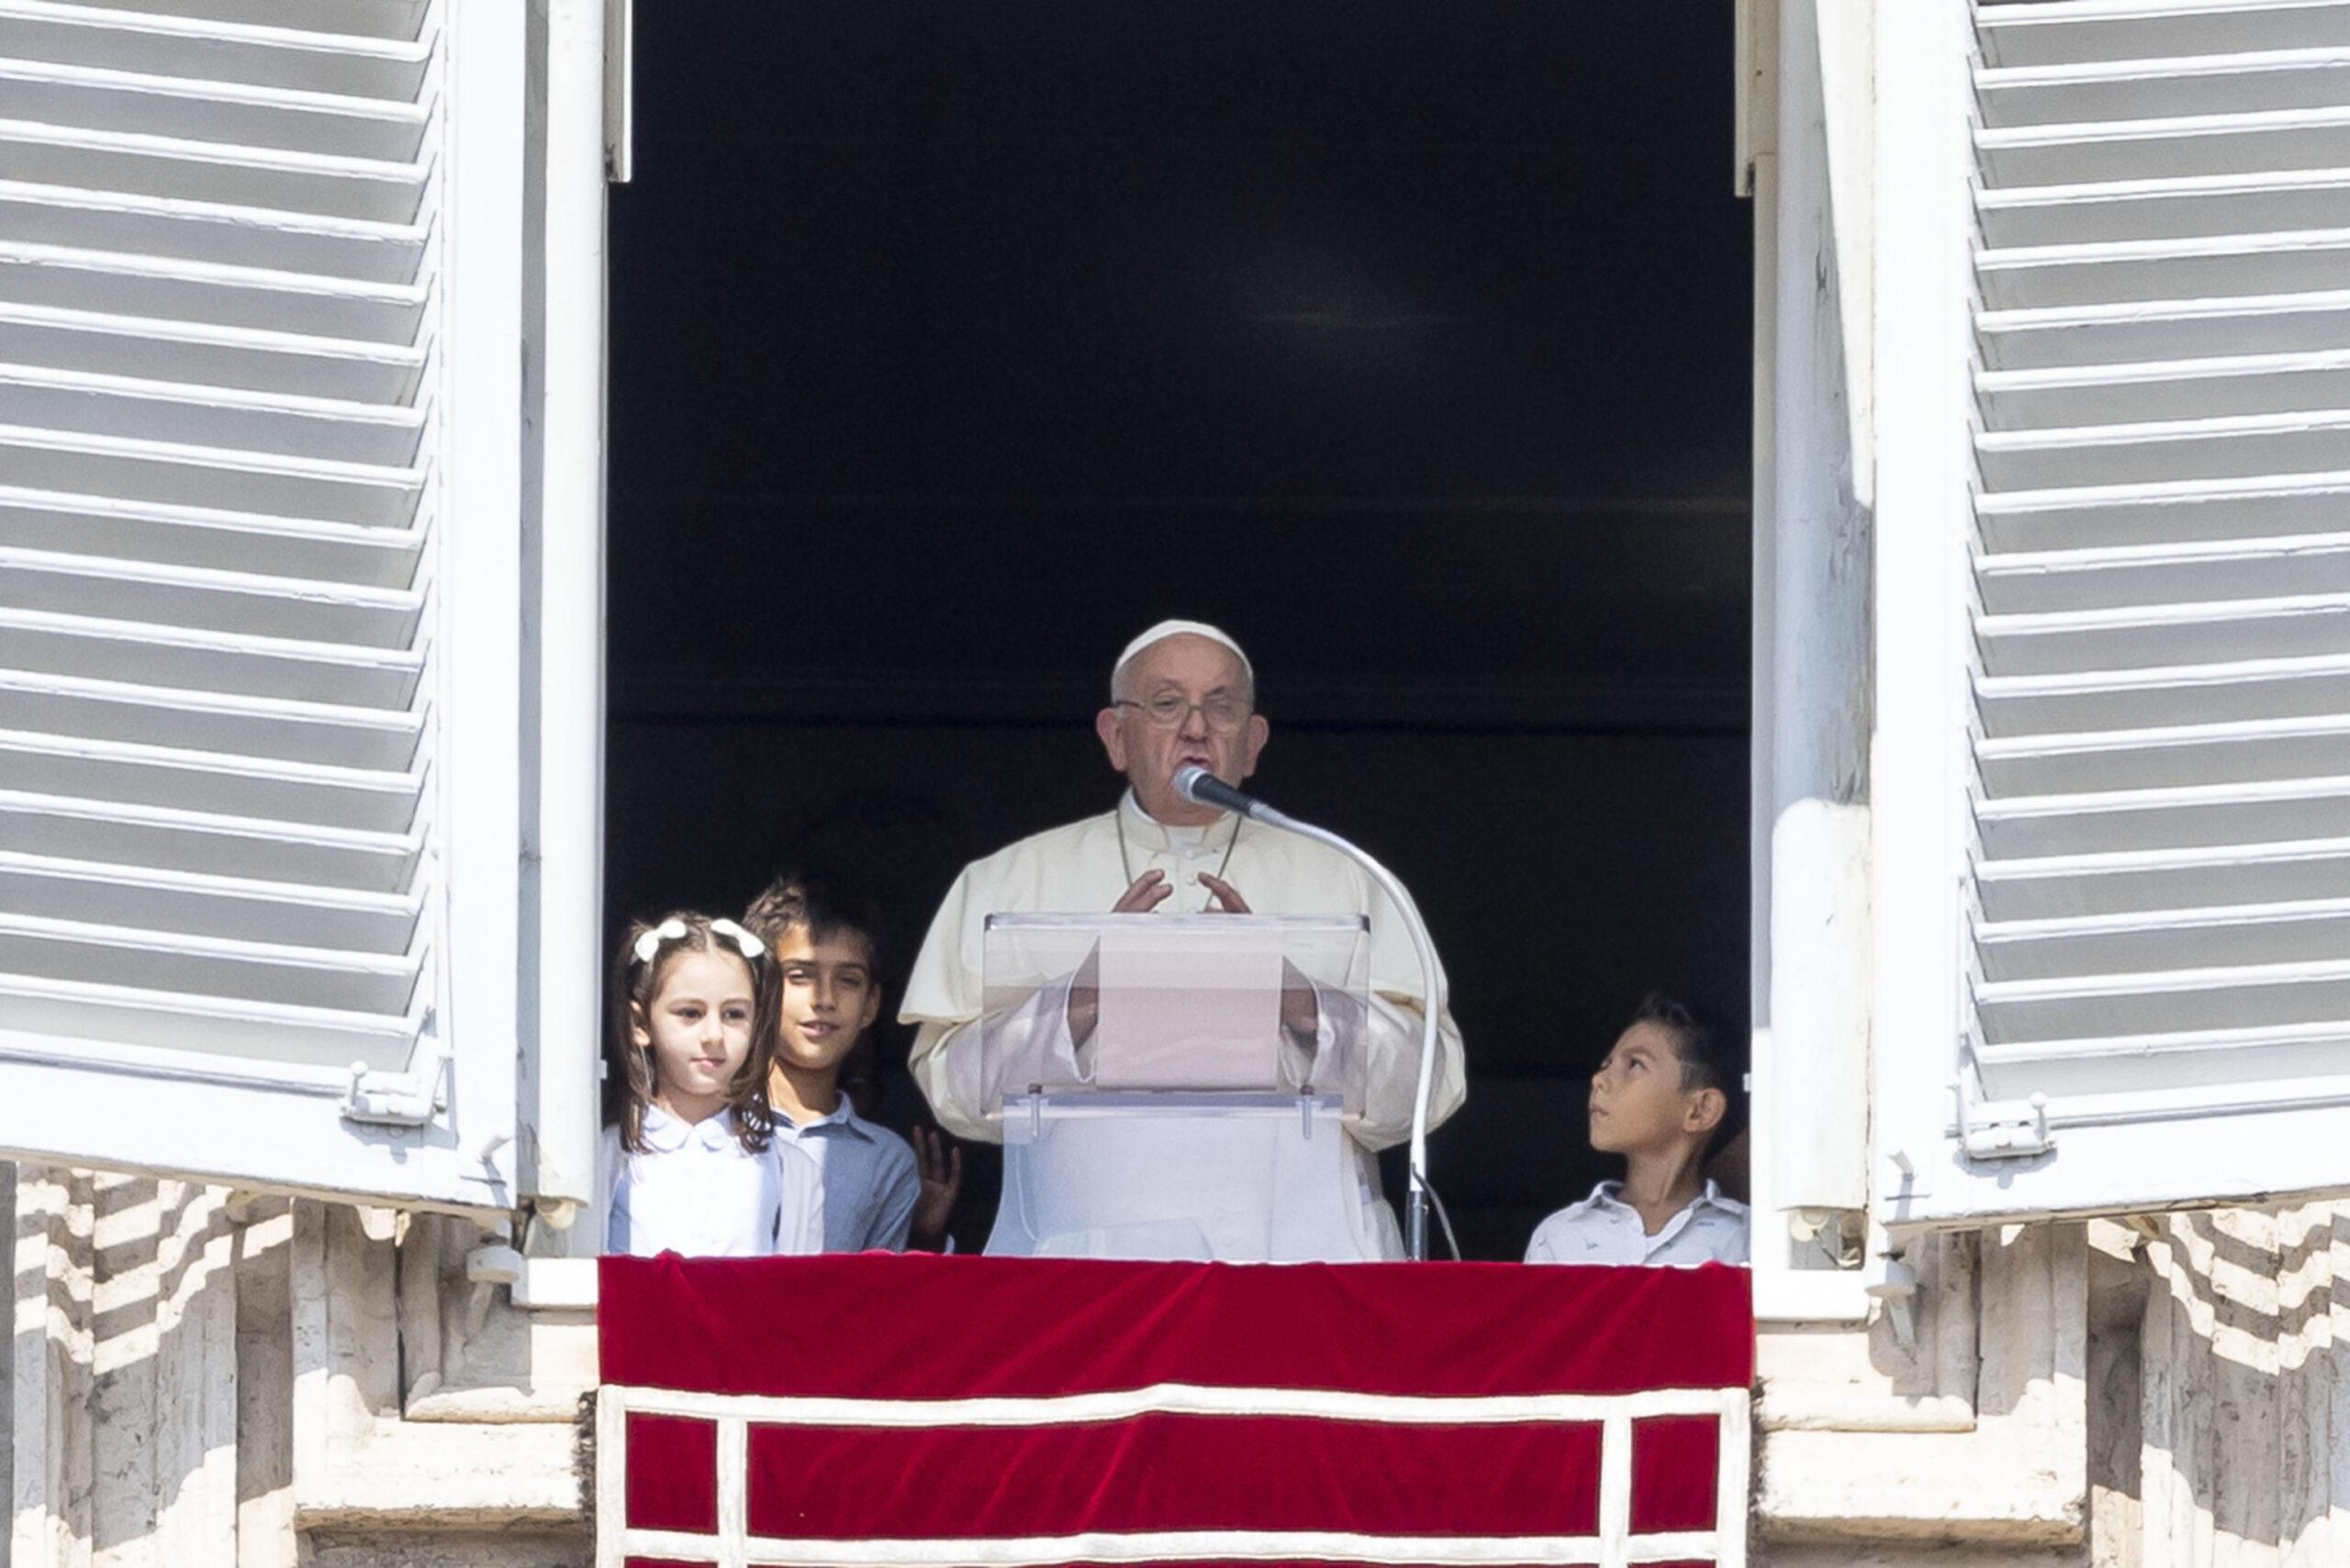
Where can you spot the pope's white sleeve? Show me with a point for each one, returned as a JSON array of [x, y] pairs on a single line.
[[1388, 1043], [1389, 1046], [945, 1066], [965, 1070], [1331, 1063], [1374, 1049]]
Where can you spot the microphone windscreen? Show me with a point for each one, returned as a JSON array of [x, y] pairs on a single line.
[[1197, 784]]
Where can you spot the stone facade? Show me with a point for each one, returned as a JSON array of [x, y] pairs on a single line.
[[203, 1379]]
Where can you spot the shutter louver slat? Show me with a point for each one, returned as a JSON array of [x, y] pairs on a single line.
[[227, 358], [285, 732], [80, 403], [2160, 897], [2191, 208], [2077, 33], [371, 190], [317, 672], [241, 908], [250, 787], [273, 55], [2232, 447], [218, 271], [2284, 687], [192, 599], [2178, 757], [2274, 80], [276, 1040], [2104, 945], [2015, 834], [78, 277], [2155, 635], [202, 537], [77, 97], [209, 965], [166, 839], [399, 21], [2112, 576], [2163, 151], [2173, 512], [299, 252], [2170, 389], [139, 469], [2073, 338]]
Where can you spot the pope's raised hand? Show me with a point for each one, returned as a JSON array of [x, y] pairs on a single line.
[[1227, 896], [1150, 890]]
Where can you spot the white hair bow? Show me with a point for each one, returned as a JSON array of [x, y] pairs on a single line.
[[753, 948], [674, 930]]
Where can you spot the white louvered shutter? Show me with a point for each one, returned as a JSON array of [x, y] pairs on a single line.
[[2156, 1001], [259, 288]]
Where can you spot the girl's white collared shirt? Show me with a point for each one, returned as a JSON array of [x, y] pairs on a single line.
[[698, 1192]]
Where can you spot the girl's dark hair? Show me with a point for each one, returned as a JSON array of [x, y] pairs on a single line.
[[816, 901], [628, 1075]]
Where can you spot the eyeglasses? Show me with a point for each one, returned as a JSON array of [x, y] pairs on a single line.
[[1224, 713]]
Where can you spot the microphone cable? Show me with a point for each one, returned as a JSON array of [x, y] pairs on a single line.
[[1437, 1201]]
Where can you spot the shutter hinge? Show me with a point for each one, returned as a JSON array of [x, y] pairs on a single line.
[[395, 1099], [2004, 1129]]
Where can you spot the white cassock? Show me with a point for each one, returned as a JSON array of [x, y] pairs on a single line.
[[1080, 868]]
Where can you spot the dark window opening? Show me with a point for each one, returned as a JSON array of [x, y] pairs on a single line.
[[955, 342]]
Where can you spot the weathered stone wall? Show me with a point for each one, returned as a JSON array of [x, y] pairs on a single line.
[[2243, 1434], [198, 1381], [2203, 1421]]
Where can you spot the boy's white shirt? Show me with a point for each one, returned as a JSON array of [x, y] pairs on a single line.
[[699, 1192], [1603, 1228], [868, 1181]]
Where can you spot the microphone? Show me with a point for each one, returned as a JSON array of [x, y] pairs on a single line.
[[1199, 785]]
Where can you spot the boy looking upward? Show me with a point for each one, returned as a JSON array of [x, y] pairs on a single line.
[[1656, 1100], [826, 951]]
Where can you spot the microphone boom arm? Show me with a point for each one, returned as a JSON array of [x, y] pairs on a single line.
[[1197, 784]]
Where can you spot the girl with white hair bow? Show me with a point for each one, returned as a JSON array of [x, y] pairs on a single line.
[[690, 1163]]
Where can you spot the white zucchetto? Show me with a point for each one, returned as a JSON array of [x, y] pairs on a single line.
[[1167, 629]]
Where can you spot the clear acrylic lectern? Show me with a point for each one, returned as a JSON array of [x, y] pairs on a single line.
[[1177, 1086]]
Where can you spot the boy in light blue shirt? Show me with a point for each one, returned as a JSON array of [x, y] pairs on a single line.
[[827, 950]]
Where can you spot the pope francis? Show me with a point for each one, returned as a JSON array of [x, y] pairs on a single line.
[[1181, 693]]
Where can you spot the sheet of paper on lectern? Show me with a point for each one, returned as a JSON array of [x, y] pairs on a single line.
[[1195, 1010]]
